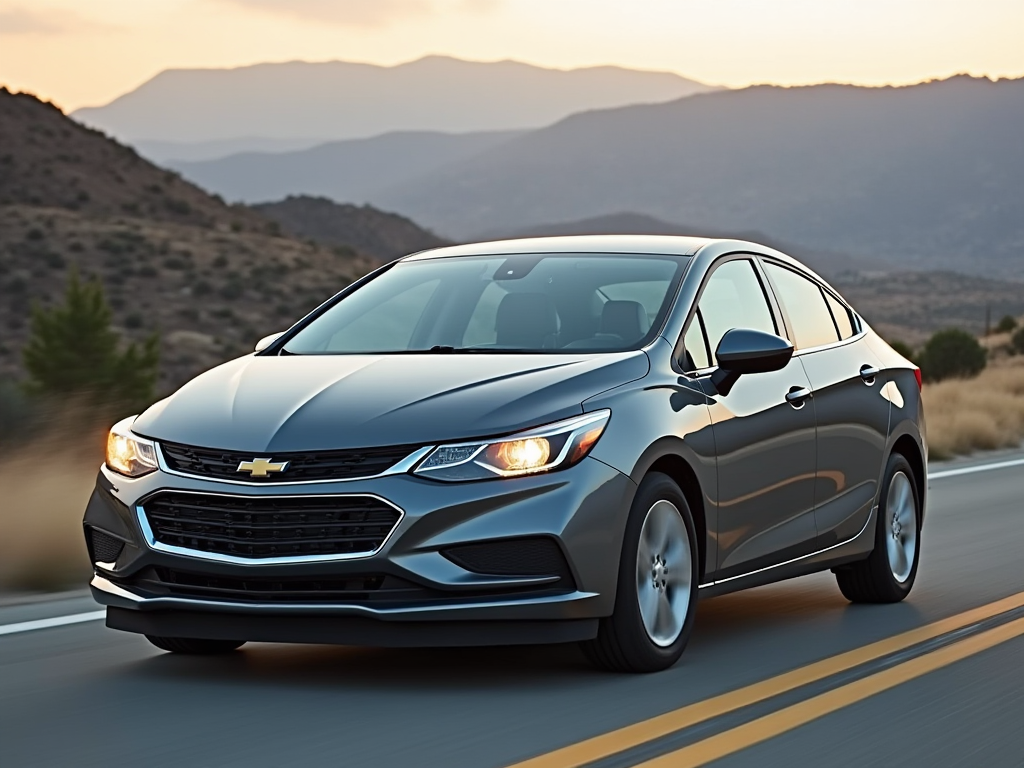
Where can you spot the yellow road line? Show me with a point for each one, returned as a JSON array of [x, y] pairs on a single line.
[[631, 736], [769, 726]]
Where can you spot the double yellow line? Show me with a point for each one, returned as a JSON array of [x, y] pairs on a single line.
[[768, 726]]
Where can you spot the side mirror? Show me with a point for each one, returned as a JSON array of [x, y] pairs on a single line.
[[744, 350], [266, 341]]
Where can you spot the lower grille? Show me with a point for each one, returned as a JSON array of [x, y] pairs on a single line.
[[539, 556], [103, 547], [270, 526]]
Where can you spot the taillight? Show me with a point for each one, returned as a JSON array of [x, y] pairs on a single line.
[[917, 375]]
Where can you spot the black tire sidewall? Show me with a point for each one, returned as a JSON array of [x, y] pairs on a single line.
[[629, 626], [897, 463]]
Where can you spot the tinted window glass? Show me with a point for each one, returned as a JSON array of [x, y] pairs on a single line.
[[515, 303], [805, 306], [842, 316], [696, 351], [734, 298]]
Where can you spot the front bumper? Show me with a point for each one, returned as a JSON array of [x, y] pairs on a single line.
[[582, 509]]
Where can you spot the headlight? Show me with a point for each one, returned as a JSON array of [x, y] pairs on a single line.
[[542, 449], [127, 453]]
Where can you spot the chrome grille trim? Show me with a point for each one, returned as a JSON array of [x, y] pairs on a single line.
[[400, 468], [152, 543]]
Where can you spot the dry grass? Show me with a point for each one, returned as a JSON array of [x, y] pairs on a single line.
[[43, 492], [984, 413]]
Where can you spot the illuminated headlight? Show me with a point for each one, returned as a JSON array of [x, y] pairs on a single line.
[[127, 453], [542, 449]]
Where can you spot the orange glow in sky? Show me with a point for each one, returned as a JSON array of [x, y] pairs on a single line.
[[81, 54]]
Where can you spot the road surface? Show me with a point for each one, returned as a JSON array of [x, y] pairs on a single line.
[[951, 693]]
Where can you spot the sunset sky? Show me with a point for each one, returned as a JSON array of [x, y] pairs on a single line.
[[87, 53]]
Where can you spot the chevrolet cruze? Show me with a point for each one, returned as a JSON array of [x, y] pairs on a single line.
[[531, 441]]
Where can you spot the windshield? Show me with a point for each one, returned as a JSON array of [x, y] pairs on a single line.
[[538, 303]]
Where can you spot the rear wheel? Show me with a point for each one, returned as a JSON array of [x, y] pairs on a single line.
[[656, 598], [888, 575], [194, 646]]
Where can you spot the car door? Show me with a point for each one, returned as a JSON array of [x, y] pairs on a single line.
[[765, 444], [851, 410]]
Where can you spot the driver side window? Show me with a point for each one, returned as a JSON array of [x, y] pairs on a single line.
[[733, 297]]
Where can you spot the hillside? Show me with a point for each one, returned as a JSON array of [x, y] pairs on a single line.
[[920, 177], [377, 234], [354, 170], [343, 100], [908, 306], [211, 278]]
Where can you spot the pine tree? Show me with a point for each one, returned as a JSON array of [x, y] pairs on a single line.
[[72, 351]]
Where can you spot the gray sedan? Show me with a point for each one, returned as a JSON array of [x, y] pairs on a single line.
[[530, 441]]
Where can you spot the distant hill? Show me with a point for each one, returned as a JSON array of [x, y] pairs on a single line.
[[830, 264], [378, 234], [211, 278], [342, 100], [357, 170], [163, 152], [919, 177]]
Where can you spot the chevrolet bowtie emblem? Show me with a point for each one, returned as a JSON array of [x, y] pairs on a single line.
[[262, 467]]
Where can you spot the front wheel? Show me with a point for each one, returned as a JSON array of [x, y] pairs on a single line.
[[194, 646], [888, 574], [656, 598]]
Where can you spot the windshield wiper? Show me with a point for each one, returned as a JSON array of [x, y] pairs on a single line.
[[444, 349]]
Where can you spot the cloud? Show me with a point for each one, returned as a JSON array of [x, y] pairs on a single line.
[[361, 13], [21, 21]]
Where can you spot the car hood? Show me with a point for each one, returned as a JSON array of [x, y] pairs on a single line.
[[320, 402]]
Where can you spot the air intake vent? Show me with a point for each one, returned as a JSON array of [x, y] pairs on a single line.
[[105, 548], [538, 556]]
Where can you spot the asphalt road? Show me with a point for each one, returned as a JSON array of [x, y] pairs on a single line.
[[82, 695]]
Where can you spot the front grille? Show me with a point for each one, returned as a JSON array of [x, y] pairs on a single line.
[[270, 526], [302, 466], [535, 556], [103, 547]]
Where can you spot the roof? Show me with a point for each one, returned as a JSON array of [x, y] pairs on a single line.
[[649, 244]]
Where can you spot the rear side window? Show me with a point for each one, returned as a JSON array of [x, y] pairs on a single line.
[[733, 298], [842, 316], [805, 306]]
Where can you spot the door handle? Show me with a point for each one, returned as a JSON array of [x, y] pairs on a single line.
[[868, 373], [797, 396]]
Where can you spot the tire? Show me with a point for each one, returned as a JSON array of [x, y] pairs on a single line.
[[888, 574], [638, 637], [194, 646]]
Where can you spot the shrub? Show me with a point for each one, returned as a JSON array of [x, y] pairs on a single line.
[[1017, 342], [72, 350], [1007, 324], [952, 353], [903, 349]]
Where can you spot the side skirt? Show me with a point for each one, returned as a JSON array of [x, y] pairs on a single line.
[[849, 551]]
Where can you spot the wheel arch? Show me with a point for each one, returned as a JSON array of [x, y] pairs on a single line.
[[672, 463], [909, 449]]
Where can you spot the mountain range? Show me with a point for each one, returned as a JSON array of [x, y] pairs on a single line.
[[342, 100], [916, 177]]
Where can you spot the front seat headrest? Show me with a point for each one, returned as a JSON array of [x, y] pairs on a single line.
[[625, 319], [526, 320]]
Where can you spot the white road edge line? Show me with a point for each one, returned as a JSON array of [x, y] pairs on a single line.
[[56, 621], [972, 470]]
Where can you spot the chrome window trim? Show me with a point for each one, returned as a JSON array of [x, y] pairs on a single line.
[[400, 468], [152, 543]]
